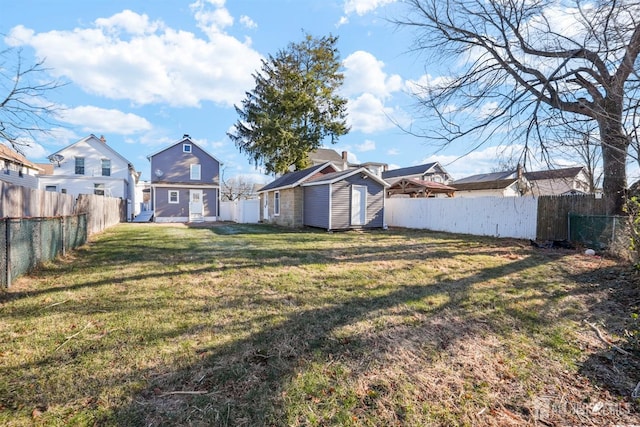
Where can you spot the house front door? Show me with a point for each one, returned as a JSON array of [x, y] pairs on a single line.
[[358, 205], [196, 207]]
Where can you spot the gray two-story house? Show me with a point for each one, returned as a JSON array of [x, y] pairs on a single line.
[[185, 183]]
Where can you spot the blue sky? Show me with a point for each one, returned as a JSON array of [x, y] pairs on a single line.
[[143, 73]]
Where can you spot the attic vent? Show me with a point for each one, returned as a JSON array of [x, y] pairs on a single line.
[[186, 135]]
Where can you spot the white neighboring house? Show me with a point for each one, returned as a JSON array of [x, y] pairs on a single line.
[[559, 181], [90, 166]]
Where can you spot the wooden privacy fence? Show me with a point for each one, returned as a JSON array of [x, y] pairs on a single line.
[[553, 213], [36, 225]]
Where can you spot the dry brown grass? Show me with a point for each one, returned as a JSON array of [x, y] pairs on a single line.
[[253, 325]]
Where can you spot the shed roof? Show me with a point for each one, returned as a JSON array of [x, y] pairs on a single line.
[[293, 179], [332, 177]]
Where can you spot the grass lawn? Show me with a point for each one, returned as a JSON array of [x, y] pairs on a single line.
[[254, 325]]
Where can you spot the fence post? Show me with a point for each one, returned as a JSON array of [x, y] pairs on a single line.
[[64, 237], [8, 254]]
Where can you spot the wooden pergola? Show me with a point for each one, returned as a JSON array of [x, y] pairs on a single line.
[[416, 188]]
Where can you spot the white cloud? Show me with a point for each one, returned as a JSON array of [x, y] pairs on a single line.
[[367, 145], [362, 7], [126, 56], [94, 120], [248, 22], [368, 114], [363, 74], [393, 152], [343, 21]]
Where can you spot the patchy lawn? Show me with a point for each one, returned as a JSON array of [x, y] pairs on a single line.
[[253, 325]]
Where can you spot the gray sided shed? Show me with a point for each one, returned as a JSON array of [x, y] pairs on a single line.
[[350, 199]]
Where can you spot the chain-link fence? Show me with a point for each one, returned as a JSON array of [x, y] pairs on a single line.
[[27, 242], [599, 232]]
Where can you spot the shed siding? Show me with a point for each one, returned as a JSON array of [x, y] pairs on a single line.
[[341, 203], [316, 206]]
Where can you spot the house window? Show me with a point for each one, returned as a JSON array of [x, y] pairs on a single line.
[[79, 165], [106, 167], [276, 203], [195, 172], [63, 191], [53, 188], [174, 196], [186, 148], [98, 189]]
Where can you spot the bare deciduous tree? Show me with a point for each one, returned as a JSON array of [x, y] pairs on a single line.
[[25, 110], [238, 188], [530, 66]]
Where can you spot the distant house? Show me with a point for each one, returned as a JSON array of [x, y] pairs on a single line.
[[325, 196], [416, 188], [323, 155], [497, 184], [185, 183], [427, 172], [16, 169], [559, 181], [91, 166]]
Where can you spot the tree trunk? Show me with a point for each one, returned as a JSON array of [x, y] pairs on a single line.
[[614, 156]]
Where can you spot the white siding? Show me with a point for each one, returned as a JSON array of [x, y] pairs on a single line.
[[488, 216]]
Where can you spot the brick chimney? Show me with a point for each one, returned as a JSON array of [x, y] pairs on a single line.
[[344, 156], [103, 139]]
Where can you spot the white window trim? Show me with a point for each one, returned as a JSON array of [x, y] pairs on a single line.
[[177, 197], [192, 169], [187, 148], [276, 203]]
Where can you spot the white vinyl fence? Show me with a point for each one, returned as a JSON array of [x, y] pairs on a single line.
[[514, 217], [241, 211]]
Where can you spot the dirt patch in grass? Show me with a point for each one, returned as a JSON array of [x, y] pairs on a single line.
[[256, 325]]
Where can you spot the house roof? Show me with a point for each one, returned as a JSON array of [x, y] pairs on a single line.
[[293, 179], [497, 184], [13, 156], [332, 177], [408, 171], [47, 168], [486, 177], [184, 139], [554, 173], [99, 140]]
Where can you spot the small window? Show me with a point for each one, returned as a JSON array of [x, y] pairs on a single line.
[[79, 165], [53, 188], [276, 203], [106, 167], [63, 191], [186, 148], [195, 172], [98, 189], [174, 196]]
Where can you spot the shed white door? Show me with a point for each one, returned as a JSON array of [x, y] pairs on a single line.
[[358, 204], [196, 208]]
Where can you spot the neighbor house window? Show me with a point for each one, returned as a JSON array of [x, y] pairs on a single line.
[[186, 148], [51, 188], [276, 203], [79, 165], [98, 189], [106, 167], [174, 196], [195, 172]]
